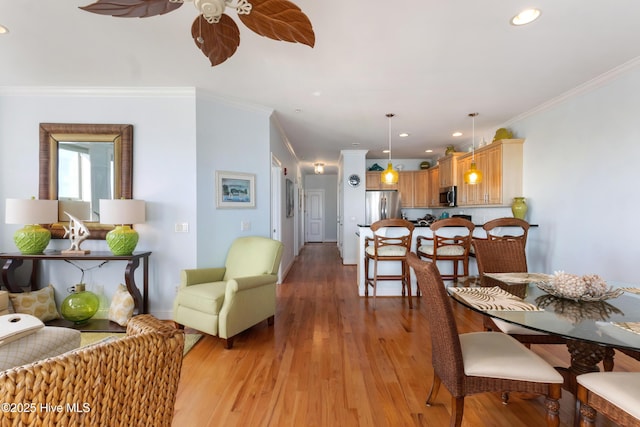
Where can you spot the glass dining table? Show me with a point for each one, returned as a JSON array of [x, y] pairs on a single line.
[[593, 329]]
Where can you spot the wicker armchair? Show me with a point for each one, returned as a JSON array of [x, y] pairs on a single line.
[[479, 362], [124, 382]]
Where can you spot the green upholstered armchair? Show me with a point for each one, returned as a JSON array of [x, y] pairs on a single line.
[[228, 300]]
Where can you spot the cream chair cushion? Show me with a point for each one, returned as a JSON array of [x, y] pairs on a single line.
[[443, 250], [387, 251], [497, 355], [620, 388]]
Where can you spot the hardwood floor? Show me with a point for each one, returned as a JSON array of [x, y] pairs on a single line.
[[331, 360]]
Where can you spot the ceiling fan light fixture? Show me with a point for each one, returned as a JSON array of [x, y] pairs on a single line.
[[525, 17], [389, 176]]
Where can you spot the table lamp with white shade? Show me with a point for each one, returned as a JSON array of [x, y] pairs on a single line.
[[122, 240], [33, 238]]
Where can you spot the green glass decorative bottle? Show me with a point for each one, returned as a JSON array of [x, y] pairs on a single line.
[[80, 305]]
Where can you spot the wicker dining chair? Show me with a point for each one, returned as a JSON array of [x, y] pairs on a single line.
[[442, 246], [391, 242], [495, 230], [508, 256], [616, 395], [479, 362]]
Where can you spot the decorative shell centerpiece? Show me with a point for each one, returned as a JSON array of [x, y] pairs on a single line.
[[590, 287]]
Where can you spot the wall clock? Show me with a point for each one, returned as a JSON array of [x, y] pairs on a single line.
[[354, 180]]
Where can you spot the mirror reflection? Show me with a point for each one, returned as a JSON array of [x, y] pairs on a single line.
[[85, 175]]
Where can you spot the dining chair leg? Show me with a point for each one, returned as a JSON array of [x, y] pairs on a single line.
[[457, 410], [366, 276], [552, 405], [375, 282], [435, 386], [406, 281]]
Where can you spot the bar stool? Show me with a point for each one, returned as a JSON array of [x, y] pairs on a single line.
[[391, 241], [444, 247]]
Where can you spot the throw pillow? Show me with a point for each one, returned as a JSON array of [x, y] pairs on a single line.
[[121, 308], [40, 303]]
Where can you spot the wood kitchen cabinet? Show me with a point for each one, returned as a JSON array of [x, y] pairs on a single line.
[[421, 196], [406, 189], [501, 167], [448, 166], [434, 187], [373, 182]]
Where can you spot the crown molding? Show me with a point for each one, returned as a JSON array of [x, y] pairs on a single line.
[[101, 91], [586, 87]]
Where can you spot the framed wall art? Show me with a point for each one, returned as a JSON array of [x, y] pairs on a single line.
[[235, 190], [290, 203]]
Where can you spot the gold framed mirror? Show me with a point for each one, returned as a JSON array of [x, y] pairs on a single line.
[[110, 176]]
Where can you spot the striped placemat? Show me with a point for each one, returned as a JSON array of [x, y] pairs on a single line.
[[631, 290], [492, 299], [628, 326]]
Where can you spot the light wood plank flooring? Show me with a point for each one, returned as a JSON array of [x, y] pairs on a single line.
[[331, 360]]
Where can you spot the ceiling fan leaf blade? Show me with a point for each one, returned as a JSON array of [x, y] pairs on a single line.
[[131, 8], [279, 20], [217, 41]]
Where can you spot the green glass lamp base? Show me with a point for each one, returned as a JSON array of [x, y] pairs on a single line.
[[32, 239], [122, 240]]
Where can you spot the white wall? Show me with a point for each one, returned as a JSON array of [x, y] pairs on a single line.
[[328, 183], [163, 175], [581, 181], [352, 210]]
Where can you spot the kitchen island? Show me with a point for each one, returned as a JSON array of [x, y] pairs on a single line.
[[393, 287]]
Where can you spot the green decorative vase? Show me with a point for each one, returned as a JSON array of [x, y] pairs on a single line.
[[80, 305], [122, 240], [519, 207]]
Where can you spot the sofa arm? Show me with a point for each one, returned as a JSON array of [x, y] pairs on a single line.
[[201, 275]]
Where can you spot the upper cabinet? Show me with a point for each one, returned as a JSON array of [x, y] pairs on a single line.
[[448, 166], [374, 183], [501, 167], [406, 188]]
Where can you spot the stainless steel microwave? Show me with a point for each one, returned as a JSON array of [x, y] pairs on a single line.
[[448, 196]]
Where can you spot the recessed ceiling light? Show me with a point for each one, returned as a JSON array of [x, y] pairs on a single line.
[[316, 93], [403, 135], [3, 29], [298, 110], [456, 134], [355, 144], [385, 151], [428, 151], [525, 17]]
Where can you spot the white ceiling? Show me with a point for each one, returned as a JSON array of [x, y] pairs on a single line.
[[431, 62]]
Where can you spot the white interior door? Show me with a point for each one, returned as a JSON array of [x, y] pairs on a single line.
[[315, 215]]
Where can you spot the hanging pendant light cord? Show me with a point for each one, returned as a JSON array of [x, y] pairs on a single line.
[[473, 135], [389, 116]]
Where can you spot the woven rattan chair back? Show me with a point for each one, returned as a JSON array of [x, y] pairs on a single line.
[[492, 227], [446, 353], [391, 241], [500, 256]]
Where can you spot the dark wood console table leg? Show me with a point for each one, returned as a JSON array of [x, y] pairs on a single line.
[[9, 274], [129, 276]]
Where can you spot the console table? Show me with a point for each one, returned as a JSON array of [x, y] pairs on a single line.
[[11, 261]]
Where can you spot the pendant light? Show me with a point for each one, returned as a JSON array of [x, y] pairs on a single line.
[[389, 176], [473, 175]]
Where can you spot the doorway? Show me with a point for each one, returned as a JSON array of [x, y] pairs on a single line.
[[314, 209]]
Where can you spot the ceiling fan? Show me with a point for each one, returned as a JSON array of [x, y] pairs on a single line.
[[216, 33]]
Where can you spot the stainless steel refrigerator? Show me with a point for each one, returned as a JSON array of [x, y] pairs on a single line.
[[382, 204]]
